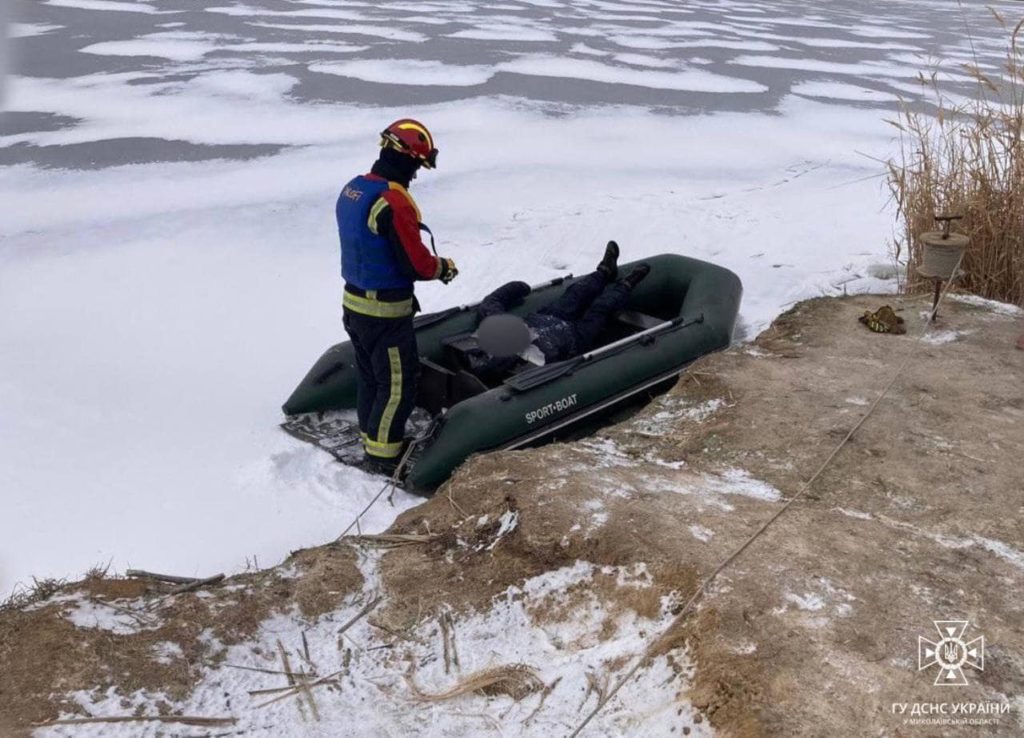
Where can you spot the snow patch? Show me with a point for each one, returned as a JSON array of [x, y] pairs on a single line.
[[244, 84], [608, 453], [739, 482], [169, 45], [676, 411], [999, 308], [855, 514], [109, 5], [507, 523], [166, 652], [523, 625], [26, 30], [808, 601], [841, 91], [701, 533], [692, 80], [937, 338], [598, 515], [1002, 550], [407, 72], [123, 617], [497, 32]]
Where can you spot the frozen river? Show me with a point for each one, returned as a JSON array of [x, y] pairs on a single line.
[[168, 265]]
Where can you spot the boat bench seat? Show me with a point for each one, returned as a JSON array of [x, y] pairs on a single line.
[[439, 387], [460, 347], [638, 320]]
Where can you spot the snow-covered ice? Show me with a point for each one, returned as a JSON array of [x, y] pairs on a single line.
[[24, 30], [407, 72], [154, 316], [692, 80], [105, 5], [840, 91], [170, 45]]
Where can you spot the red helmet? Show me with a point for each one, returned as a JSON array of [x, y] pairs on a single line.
[[412, 138]]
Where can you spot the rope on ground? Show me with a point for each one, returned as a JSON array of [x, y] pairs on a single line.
[[391, 484], [801, 492]]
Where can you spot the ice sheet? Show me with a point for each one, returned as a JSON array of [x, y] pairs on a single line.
[[26, 30], [504, 33], [841, 91], [108, 5], [691, 80], [408, 72], [175, 49], [867, 69], [154, 317]]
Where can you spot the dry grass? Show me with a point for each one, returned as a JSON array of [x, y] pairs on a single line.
[[45, 656], [967, 158], [514, 680], [41, 590]]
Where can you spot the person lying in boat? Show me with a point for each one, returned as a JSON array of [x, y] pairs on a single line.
[[568, 327]]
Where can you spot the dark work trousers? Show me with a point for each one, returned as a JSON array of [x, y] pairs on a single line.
[[387, 362], [571, 324], [586, 306]]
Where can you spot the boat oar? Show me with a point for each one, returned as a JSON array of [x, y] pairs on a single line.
[[544, 374]]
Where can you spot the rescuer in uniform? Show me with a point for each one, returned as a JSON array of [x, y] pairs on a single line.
[[382, 256]]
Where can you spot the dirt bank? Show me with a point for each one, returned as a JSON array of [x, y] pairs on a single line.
[[572, 559]]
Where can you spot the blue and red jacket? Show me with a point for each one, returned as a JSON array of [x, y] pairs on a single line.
[[381, 248]]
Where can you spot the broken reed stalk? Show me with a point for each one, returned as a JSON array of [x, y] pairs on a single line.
[[446, 652], [196, 584], [298, 689], [169, 578], [279, 690], [182, 589], [360, 615], [514, 680], [301, 674], [967, 158], [451, 651], [393, 540], [302, 684], [180, 719], [545, 693]]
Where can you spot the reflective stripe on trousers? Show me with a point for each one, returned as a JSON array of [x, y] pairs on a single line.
[[387, 363]]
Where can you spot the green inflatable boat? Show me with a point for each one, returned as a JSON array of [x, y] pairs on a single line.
[[684, 309]]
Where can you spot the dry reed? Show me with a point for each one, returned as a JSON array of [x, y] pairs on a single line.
[[514, 680], [967, 158]]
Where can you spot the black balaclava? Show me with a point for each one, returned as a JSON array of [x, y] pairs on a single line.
[[395, 166]]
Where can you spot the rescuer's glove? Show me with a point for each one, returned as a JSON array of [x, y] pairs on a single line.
[[448, 270]]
